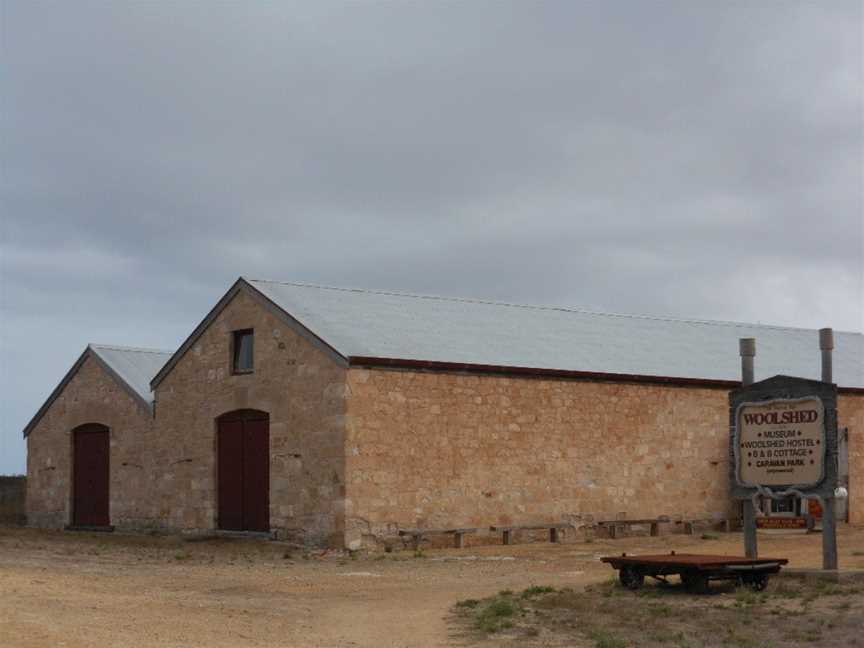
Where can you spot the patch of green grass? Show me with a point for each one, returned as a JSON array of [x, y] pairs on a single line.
[[680, 640], [662, 610], [536, 590], [419, 553], [497, 615], [604, 639], [710, 536], [468, 604], [784, 591], [745, 597], [827, 588], [660, 637], [183, 555]]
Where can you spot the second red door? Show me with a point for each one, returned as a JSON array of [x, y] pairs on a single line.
[[244, 472], [90, 469]]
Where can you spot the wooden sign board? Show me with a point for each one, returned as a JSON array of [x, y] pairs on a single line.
[[781, 441], [781, 523], [778, 427], [780, 408]]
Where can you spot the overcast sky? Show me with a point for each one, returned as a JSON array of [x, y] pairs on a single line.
[[686, 159]]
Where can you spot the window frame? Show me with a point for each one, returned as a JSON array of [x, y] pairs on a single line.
[[236, 337]]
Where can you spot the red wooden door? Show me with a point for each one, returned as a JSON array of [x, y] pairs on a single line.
[[244, 473], [230, 471], [256, 475], [90, 468]]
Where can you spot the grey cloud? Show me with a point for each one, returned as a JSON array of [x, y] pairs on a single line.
[[690, 159]]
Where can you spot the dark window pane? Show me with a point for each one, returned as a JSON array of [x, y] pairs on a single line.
[[243, 351], [786, 505]]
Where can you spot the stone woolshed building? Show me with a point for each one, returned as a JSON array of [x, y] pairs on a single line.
[[336, 417]]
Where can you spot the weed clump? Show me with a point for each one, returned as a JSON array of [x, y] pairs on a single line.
[[536, 590], [469, 604], [497, 615], [603, 639]]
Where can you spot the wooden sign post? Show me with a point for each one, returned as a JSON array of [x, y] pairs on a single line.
[[783, 441]]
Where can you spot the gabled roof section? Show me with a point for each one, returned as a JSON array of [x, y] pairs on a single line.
[[131, 367], [367, 327], [242, 285], [134, 367], [377, 326]]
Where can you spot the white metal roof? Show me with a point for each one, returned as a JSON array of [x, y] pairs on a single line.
[[135, 367], [364, 323]]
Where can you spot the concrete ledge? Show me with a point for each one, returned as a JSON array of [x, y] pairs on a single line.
[[831, 575]]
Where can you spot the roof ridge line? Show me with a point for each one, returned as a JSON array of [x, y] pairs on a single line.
[[115, 347], [586, 311]]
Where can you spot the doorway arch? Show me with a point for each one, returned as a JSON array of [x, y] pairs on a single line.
[[91, 475], [243, 470]]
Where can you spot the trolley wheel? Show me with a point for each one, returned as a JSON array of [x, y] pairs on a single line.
[[757, 582], [695, 581], [631, 578]]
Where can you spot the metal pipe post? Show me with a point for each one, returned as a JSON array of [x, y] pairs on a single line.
[[826, 345], [829, 534], [829, 515], [747, 350]]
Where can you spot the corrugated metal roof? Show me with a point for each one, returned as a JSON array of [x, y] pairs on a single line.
[[365, 323], [136, 367]]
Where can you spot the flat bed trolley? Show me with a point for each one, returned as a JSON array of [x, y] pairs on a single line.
[[695, 570]]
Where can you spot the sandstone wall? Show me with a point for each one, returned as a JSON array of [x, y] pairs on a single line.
[[13, 494], [850, 413], [303, 390], [444, 449], [92, 396]]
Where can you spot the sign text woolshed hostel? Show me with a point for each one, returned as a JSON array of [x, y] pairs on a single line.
[[781, 442]]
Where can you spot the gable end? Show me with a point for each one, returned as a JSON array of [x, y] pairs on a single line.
[[242, 285], [91, 354]]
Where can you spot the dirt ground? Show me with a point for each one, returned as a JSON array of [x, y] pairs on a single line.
[[71, 589]]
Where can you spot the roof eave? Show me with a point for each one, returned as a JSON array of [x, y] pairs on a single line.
[[538, 372], [56, 392]]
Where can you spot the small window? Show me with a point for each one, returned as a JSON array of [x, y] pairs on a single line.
[[785, 505], [243, 351]]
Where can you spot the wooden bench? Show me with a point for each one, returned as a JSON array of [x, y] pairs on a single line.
[[553, 528], [690, 524], [417, 535], [614, 525]]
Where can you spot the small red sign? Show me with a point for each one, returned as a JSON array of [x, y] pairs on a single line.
[[781, 523]]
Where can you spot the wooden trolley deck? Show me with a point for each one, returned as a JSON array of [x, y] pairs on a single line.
[[695, 570]]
